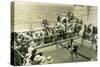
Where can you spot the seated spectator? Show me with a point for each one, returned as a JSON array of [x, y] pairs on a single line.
[[37, 59], [27, 60], [43, 60]]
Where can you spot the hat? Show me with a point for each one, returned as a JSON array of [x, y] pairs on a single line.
[[32, 43], [38, 58], [49, 59]]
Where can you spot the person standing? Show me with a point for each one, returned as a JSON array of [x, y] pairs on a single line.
[[31, 48], [58, 19], [74, 50]]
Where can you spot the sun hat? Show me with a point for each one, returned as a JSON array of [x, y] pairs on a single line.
[[38, 58], [49, 60]]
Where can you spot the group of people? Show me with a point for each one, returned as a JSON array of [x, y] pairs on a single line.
[[36, 58], [90, 34], [24, 51], [67, 26], [72, 46]]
